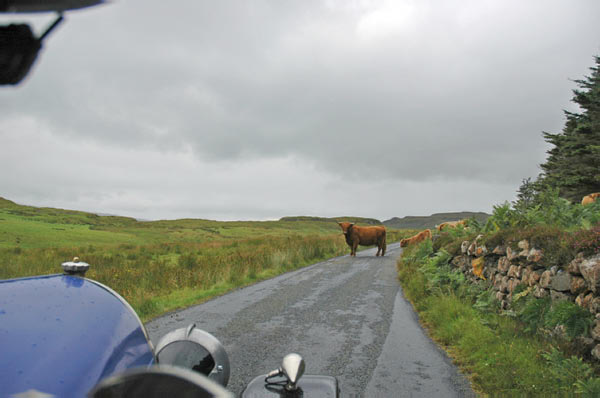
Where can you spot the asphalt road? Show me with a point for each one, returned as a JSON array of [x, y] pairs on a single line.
[[347, 317]]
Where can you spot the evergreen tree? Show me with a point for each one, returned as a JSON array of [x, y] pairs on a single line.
[[573, 164], [525, 195]]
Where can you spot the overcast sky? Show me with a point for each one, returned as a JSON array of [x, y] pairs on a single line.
[[255, 110]]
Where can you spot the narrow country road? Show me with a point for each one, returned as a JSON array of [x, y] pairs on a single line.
[[346, 316]]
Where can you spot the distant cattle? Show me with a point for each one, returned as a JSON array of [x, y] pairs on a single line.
[[421, 236], [589, 199], [451, 224], [364, 236]]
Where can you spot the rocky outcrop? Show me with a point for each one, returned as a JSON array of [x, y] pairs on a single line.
[[505, 268]]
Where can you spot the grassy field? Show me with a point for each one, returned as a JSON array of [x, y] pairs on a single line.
[[159, 266]]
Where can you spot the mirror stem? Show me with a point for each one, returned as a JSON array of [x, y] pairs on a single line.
[[51, 27]]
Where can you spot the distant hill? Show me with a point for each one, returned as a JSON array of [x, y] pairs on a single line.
[[357, 220], [423, 222]]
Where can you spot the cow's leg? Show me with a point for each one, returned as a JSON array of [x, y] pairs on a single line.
[[354, 246]]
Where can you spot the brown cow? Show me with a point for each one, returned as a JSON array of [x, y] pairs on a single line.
[[451, 224], [421, 236], [364, 236], [589, 199]]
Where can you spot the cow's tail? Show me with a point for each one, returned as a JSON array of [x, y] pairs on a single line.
[[384, 243]]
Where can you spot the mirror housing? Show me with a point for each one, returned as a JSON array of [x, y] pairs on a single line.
[[197, 350], [157, 382], [293, 368]]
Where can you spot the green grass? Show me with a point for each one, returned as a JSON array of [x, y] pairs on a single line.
[[29, 232], [497, 353], [159, 266]]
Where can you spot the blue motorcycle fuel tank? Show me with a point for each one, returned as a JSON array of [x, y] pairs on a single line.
[[61, 334]]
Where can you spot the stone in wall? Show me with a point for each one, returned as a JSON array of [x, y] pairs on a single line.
[[534, 277], [558, 296], [520, 270], [595, 305], [512, 285], [524, 246], [525, 274], [578, 285], [573, 266], [464, 246], [504, 284], [595, 332], [490, 269], [511, 254], [513, 272], [472, 248], [535, 255], [481, 251], [497, 282], [546, 279], [540, 292], [596, 352], [590, 270], [499, 250], [561, 281], [503, 265], [461, 262], [586, 301], [579, 299]]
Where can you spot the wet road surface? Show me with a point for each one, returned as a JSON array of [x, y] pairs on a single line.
[[347, 317]]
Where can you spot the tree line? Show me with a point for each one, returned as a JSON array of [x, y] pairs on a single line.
[[572, 168]]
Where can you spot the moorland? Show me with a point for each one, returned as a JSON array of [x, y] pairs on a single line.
[[159, 266]]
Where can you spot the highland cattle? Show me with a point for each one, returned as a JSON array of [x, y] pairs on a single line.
[[420, 237], [589, 199], [364, 236]]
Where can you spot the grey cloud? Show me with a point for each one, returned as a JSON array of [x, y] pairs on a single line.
[[461, 90]]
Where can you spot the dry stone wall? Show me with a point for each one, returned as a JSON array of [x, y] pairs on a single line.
[[505, 268]]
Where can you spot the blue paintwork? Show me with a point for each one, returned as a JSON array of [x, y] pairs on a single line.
[[62, 334]]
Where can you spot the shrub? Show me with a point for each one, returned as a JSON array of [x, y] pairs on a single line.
[[587, 240], [572, 373], [440, 275], [532, 313], [486, 300], [548, 209], [588, 388], [576, 320]]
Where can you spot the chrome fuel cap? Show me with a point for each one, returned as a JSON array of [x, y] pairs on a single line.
[[75, 267]]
